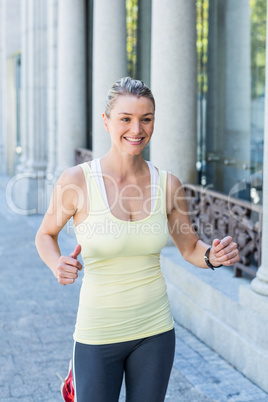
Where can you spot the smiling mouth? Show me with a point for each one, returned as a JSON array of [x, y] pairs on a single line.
[[134, 140]]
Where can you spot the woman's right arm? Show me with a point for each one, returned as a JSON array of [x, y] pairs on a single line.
[[64, 204]]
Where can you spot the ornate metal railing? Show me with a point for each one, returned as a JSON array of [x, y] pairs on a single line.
[[215, 215]]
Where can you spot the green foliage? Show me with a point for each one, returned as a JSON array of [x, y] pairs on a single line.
[[132, 28], [202, 10], [258, 41]]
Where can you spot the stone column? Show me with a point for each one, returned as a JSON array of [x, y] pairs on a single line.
[[52, 134], [2, 87], [71, 78], [28, 185], [10, 46], [52, 12], [173, 83], [36, 86], [260, 283], [109, 62], [24, 84]]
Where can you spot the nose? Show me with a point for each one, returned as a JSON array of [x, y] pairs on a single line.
[[136, 127]]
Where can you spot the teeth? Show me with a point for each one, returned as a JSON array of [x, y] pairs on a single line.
[[133, 139]]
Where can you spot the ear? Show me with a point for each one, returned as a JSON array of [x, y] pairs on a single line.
[[105, 122]]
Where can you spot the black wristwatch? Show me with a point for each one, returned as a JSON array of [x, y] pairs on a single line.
[[206, 258]]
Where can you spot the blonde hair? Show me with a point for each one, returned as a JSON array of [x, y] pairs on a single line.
[[127, 86]]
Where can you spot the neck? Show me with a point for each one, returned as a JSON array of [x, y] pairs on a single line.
[[123, 165]]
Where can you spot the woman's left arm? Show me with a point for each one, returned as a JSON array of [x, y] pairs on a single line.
[[222, 252]]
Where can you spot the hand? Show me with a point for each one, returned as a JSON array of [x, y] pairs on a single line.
[[68, 267], [224, 252]]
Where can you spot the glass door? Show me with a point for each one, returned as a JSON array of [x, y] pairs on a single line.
[[231, 64]]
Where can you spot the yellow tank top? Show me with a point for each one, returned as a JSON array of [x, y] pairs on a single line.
[[123, 295]]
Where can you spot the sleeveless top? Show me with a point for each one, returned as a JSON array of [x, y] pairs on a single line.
[[123, 295], [97, 173]]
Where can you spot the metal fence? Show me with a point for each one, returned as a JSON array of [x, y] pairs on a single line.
[[215, 215]]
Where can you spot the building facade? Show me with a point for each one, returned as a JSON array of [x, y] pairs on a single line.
[[206, 65]]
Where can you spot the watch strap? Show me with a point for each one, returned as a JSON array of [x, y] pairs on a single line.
[[206, 258]]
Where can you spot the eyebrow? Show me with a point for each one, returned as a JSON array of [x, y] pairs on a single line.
[[130, 114]]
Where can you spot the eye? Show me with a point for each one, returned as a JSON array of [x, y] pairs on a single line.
[[147, 119]]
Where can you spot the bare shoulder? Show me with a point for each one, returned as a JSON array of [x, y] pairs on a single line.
[[175, 192], [71, 188], [173, 183], [73, 175]]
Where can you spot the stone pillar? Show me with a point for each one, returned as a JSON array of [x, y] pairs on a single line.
[[36, 86], [173, 83], [52, 134], [2, 87], [52, 12], [71, 78], [24, 83], [28, 185], [260, 283], [109, 62], [10, 46]]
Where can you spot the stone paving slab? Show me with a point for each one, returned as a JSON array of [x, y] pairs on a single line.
[[37, 318]]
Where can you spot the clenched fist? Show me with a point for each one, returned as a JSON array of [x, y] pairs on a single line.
[[68, 267], [224, 252]]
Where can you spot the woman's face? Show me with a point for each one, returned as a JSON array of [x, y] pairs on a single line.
[[131, 123]]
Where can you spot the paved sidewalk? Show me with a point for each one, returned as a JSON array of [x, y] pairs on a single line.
[[37, 318]]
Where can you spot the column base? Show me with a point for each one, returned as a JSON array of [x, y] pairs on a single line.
[[259, 286], [3, 169], [25, 193]]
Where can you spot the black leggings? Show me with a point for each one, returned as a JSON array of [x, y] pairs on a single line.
[[147, 363]]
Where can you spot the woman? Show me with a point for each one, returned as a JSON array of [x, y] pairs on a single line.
[[123, 210]]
